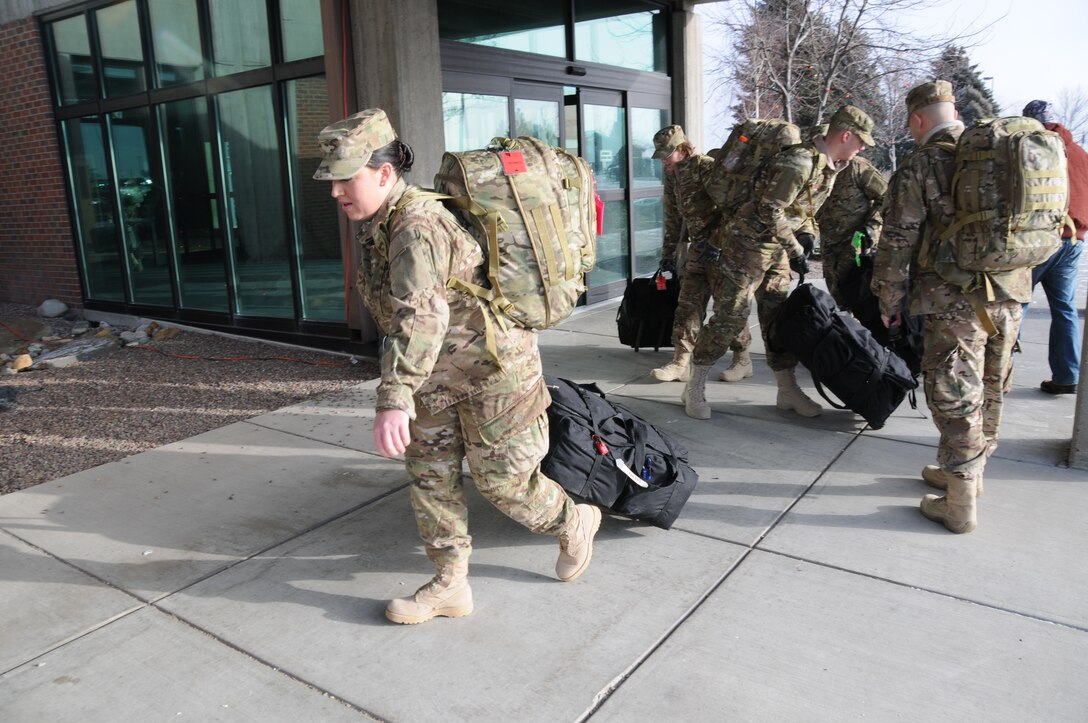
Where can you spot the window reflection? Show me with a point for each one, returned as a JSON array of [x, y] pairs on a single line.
[[301, 25], [612, 246], [321, 266], [121, 50], [528, 27], [175, 29], [239, 36], [649, 223], [258, 234], [143, 224], [72, 59], [633, 40], [472, 120], [605, 148], [95, 214], [201, 275], [645, 122], [537, 118]]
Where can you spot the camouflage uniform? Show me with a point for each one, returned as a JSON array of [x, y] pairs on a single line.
[[436, 367], [756, 245], [689, 207], [854, 205], [965, 369]]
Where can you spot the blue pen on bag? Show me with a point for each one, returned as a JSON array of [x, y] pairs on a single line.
[[647, 468]]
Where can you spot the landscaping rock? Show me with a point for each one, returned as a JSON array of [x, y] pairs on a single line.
[[51, 308]]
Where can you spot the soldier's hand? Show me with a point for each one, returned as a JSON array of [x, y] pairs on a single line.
[[799, 264], [807, 241], [391, 433], [890, 321], [667, 265]]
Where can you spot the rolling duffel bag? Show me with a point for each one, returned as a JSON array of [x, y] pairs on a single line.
[[606, 454], [842, 355], [646, 312]]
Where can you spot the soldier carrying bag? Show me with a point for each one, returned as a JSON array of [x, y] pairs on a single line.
[[1011, 193], [606, 454], [748, 148]]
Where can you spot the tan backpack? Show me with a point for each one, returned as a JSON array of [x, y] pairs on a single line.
[[748, 148]]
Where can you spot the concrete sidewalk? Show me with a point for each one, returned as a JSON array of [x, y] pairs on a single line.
[[242, 575]]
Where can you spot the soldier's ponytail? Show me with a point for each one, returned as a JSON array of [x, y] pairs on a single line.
[[398, 154]]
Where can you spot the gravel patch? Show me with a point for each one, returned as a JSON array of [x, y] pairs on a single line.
[[120, 400]]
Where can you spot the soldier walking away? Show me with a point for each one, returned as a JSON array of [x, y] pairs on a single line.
[[964, 367], [852, 211], [690, 210], [443, 396], [1058, 275], [770, 235]]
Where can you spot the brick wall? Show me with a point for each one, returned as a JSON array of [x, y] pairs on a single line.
[[37, 258]]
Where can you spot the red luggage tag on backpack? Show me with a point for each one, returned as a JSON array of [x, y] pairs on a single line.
[[599, 205], [661, 282], [513, 162]]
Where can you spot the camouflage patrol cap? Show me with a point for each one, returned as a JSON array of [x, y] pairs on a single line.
[[935, 91], [856, 120], [666, 140], [348, 144]]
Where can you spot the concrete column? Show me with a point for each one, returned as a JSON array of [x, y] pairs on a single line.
[[398, 68], [1078, 448], [687, 69]]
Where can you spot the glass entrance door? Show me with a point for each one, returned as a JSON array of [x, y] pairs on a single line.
[[604, 145]]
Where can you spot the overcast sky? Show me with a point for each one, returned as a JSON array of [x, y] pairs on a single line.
[[1034, 49]]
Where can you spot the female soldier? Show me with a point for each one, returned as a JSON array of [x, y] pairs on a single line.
[[443, 396]]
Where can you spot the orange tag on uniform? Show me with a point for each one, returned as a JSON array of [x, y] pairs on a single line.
[[513, 162], [661, 283]]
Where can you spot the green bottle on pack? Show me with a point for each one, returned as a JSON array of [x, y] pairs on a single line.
[[859, 238]]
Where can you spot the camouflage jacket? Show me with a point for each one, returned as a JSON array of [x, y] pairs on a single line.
[[918, 204], [854, 205], [434, 347], [789, 192], [688, 204]]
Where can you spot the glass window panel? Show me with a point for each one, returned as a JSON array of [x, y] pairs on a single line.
[[239, 36], [605, 148], [528, 27], [612, 246], [120, 46], [202, 279], [320, 259], [605, 33], [649, 226], [472, 120], [258, 233], [94, 207], [301, 27], [537, 118], [645, 122], [75, 70], [175, 30], [143, 226]]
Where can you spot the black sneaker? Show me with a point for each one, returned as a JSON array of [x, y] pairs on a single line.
[[1051, 388]]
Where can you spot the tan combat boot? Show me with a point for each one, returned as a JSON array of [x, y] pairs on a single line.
[[741, 368], [576, 543], [956, 510], [694, 396], [934, 476], [446, 595], [790, 395], [674, 371]]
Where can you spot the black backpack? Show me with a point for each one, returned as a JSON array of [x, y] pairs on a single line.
[[593, 439], [646, 314], [842, 355]]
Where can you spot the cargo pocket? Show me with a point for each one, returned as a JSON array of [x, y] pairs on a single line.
[[492, 417]]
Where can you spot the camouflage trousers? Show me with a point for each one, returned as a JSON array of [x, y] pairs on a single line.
[[503, 434], [744, 269], [966, 373], [695, 293]]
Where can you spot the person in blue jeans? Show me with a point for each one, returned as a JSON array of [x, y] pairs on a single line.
[[1058, 274]]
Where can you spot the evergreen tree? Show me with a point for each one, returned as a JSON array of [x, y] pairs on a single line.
[[973, 97]]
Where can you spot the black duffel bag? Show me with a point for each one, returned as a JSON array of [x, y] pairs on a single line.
[[646, 313], [842, 355], [905, 338], [594, 440]]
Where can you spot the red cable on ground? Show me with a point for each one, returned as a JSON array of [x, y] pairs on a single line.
[[15, 332]]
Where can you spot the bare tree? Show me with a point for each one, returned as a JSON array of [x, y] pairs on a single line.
[[1073, 112]]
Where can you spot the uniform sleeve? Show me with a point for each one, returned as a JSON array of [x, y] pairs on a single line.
[[784, 178], [875, 189], [419, 260], [904, 211], [672, 219]]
